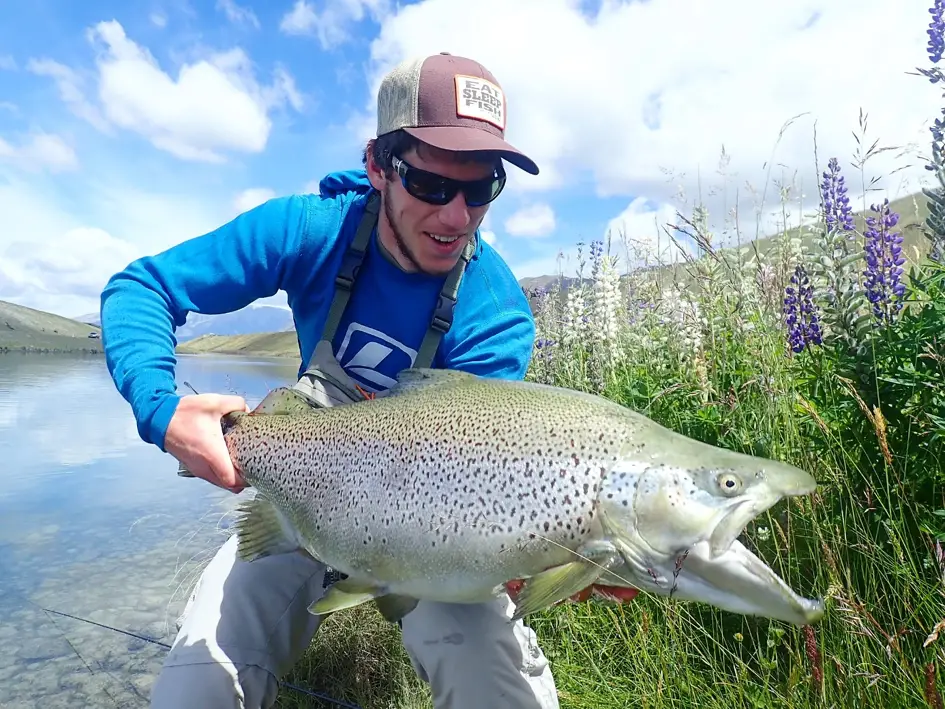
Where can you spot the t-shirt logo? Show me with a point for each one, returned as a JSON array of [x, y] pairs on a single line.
[[372, 358], [480, 99]]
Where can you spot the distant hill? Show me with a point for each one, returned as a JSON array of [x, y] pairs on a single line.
[[30, 330], [260, 344], [254, 318]]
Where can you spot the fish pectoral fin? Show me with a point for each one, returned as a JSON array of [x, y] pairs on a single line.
[[345, 594], [554, 585], [262, 530], [394, 607]]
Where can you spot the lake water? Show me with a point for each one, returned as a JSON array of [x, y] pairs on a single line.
[[96, 524]]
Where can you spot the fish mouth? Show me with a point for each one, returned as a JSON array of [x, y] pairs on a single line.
[[732, 525], [733, 579], [738, 581]]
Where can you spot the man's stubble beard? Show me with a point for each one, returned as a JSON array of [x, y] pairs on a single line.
[[401, 242]]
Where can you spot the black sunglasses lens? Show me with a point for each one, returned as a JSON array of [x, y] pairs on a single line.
[[435, 189], [484, 191], [429, 187]]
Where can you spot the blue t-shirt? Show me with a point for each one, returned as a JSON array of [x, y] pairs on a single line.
[[296, 244]]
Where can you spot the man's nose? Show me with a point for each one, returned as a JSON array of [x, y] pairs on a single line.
[[455, 214]]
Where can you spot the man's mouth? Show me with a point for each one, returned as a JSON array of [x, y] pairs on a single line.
[[444, 238]]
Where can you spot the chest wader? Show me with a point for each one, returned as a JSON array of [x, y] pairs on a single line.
[[324, 383]]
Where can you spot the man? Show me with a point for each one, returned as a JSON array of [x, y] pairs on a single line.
[[371, 284]]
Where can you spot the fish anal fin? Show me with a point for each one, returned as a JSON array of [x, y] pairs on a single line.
[[394, 607]]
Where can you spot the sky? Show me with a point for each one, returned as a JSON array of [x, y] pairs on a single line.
[[128, 127]]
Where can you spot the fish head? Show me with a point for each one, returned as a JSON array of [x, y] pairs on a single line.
[[674, 508]]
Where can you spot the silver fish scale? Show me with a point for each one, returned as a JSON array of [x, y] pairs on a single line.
[[464, 475]]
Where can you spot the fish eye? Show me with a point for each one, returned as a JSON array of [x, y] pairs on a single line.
[[729, 483]]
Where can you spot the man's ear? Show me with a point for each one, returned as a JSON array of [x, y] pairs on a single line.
[[374, 172]]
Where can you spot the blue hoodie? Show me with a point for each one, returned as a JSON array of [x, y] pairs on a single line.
[[296, 244]]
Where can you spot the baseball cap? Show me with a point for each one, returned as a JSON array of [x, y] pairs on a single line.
[[449, 102]]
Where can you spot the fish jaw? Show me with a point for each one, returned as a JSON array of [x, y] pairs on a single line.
[[736, 581]]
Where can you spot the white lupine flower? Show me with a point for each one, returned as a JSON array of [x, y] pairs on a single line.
[[575, 316], [606, 306]]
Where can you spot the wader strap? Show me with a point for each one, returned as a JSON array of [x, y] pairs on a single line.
[[443, 315], [350, 265], [442, 318]]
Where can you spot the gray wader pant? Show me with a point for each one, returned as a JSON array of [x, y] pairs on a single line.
[[246, 624]]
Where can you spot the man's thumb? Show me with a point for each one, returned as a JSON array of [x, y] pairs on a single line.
[[229, 403]]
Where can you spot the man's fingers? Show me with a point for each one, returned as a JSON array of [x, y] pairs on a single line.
[[226, 404]]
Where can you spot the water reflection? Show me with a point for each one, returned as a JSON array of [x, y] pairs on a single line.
[[95, 523]]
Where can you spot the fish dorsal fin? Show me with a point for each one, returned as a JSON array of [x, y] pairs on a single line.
[[415, 379], [283, 401]]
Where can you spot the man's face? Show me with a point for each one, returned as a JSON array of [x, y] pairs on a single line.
[[408, 227]]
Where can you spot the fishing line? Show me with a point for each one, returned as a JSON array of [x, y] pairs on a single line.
[[301, 690]]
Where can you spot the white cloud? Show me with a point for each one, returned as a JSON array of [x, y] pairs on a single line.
[[238, 14], [644, 235], [71, 86], [488, 236], [737, 71], [533, 220], [58, 261], [252, 197], [158, 20], [75, 263], [331, 25], [214, 105], [39, 151]]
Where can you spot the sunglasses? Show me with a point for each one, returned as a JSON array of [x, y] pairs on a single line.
[[436, 189]]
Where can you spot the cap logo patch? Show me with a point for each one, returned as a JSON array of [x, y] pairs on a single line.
[[480, 99]]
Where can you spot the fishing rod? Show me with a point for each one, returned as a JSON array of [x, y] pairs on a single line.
[[301, 690]]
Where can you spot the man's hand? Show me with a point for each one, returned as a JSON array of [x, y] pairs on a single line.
[[195, 438]]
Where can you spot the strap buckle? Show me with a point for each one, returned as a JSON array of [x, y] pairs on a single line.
[[350, 265], [443, 314]]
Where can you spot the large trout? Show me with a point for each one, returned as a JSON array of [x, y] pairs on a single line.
[[452, 485]]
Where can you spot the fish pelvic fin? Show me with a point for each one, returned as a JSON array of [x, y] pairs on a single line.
[[345, 594], [262, 530], [554, 585], [350, 593]]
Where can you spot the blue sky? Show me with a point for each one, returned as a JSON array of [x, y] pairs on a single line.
[[125, 128]]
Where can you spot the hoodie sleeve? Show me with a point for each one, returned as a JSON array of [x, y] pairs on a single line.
[[224, 270]]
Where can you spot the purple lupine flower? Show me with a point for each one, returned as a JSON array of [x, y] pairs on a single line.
[[544, 347], [597, 253], [884, 262], [936, 31], [803, 323], [837, 210]]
